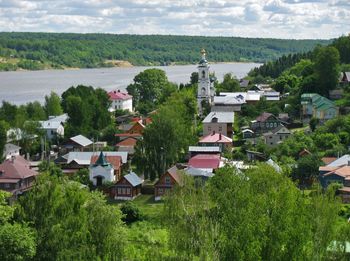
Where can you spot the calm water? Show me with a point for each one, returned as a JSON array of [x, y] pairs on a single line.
[[24, 86]]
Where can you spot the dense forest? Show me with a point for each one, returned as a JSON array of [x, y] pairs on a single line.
[[35, 51]]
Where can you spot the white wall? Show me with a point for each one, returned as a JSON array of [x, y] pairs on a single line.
[[106, 172]]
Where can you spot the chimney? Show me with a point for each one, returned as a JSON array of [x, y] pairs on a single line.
[[348, 162], [220, 136], [213, 133], [118, 90], [13, 158], [115, 91]]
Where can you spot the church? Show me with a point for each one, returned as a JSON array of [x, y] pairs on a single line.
[[206, 91]]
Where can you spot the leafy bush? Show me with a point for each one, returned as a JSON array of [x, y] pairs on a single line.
[[131, 212]]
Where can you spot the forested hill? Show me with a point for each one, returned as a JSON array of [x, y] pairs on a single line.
[[59, 50]]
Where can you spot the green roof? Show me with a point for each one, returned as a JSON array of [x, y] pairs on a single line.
[[101, 161], [318, 101]]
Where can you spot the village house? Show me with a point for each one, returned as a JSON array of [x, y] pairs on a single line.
[[217, 140], [345, 78], [198, 174], [207, 162], [120, 101], [11, 150], [219, 122], [54, 126], [167, 182], [78, 143], [330, 175], [75, 160], [104, 169], [128, 187], [16, 176], [265, 122], [247, 134], [317, 106], [276, 136]]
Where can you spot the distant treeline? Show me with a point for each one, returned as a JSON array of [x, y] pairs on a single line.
[[57, 50]]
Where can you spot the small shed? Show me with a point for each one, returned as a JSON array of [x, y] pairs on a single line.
[[128, 187]]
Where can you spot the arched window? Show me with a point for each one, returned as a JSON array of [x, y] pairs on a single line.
[[203, 91], [203, 74], [214, 119]]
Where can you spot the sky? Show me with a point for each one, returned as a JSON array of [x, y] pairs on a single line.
[[289, 19]]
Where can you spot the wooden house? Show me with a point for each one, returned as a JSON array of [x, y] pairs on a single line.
[[166, 183], [128, 187]]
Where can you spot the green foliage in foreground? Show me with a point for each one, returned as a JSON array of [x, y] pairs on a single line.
[[258, 215], [72, 223], [57, 50]]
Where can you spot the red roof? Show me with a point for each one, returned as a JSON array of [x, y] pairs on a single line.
[[116, 161], [118, 95], [18, 168], [341, 171], [129, 135], [328, 160], [205, 161], [129, 142], [215, 138]]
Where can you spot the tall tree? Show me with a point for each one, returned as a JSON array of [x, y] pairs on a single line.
[[53, 105], [148, 89], [71, 222], [3, 138], [326, 68], [17, 239]]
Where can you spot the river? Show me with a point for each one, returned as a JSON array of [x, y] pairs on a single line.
[[20, 87]]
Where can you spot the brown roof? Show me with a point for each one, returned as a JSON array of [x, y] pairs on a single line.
[[304, 152], [327, 168], [116, 161], [264, 116], [341, 171], [327, 160], [128, 135], [16, 168], [173, 172], [345, 189], [129, 142]]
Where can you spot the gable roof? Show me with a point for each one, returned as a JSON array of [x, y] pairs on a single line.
[[215, 138], [173, 172], [48, 125], [281, 129], [128, 142], [222, 117], [16, 168], [118, 95], [343, 171], [60, 118], [340, 162], [84, 158], [191, 171], [10, 148], [264, 116], [205, 161], [133, 179], [81, 140]]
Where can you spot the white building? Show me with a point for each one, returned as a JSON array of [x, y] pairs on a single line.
[[206, 91], [11, 150], [101, 171], [120, 101], [54, 126]]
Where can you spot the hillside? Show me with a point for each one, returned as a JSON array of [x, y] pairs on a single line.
[[35, 51]]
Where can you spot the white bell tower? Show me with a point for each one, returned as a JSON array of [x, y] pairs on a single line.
[[205, 91]]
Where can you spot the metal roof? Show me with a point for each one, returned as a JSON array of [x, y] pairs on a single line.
[[222, 117], [61, 118], [133, 179], [83, 158], [340, 162], [195, 172], [48, 125], [204, 149], [81, 140]]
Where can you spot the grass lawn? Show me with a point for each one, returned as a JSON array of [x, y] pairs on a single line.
[[150, 208]]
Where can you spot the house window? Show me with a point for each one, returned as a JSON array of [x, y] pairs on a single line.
[[203, 74], [123, 191], [119, 191], [128, 191], [52, 132], [167, 180], [220, 128], [271, 143], [270, 137], [209, 129], [7, 185], [281, 137], [160, 191]]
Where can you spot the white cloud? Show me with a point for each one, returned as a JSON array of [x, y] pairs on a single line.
[[247, 18]]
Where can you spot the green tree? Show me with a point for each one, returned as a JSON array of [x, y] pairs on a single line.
[[53, 105], [229, 84], [17, 239], [306, 170], [147, 89], [326, 69], [313, 123], [3, 138], [71, 222]]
